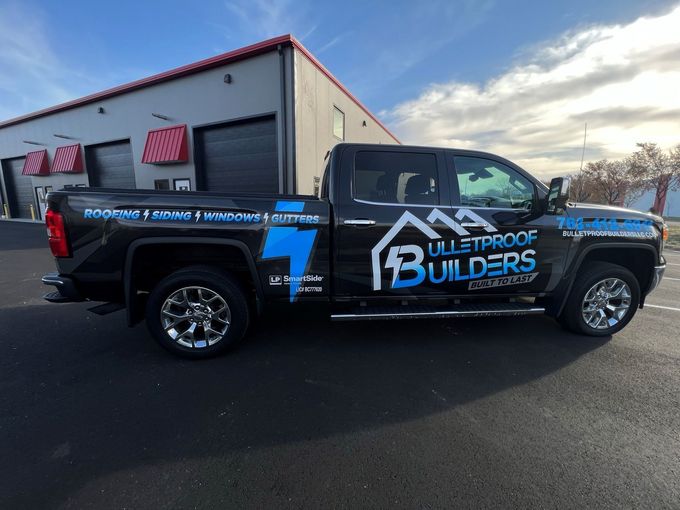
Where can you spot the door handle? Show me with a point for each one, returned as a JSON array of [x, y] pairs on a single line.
[[363, 222], [474, 225]]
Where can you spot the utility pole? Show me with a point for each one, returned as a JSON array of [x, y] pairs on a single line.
[[583, 152]]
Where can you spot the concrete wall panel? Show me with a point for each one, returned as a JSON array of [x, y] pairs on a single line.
[[316, 95]]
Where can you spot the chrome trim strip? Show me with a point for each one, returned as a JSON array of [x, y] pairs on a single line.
[[440, 314], [447, 206], [392, 204], [52, 280], [657, 276]]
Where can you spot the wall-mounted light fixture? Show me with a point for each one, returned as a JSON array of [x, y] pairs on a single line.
[[32, 143], [63, 136], [227, 78], [101, 110], [363, 123], [160, 116]]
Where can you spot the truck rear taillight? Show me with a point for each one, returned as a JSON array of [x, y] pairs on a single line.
[[56, 234]]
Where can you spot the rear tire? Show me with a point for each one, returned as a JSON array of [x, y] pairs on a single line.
[[602, 301], [197, 312]]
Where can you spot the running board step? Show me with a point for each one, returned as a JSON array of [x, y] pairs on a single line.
[[367, 313]]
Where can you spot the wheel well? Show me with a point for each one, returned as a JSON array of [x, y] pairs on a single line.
[[638, 261], [153, 262]]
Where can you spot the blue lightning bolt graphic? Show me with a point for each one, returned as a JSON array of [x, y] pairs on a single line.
[[393, 262], [292, 243]]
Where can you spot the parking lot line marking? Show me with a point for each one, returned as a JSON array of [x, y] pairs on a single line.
[[664, 307], [672, 264], [669, 278]]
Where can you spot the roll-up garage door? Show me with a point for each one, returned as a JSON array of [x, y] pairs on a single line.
[[19, 188], [110, 165], [238, 157]]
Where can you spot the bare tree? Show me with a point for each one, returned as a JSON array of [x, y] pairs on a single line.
[[659, 170], [636, 182], [581, 188], [610, 180]]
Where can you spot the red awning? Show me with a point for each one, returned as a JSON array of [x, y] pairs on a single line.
[[68, 160], [36, 163], [166, 145]]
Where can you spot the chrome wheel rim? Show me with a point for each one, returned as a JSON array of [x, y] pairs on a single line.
[[606, 303], [195, 317]]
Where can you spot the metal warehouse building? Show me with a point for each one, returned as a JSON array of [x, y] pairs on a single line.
[[260, 118]]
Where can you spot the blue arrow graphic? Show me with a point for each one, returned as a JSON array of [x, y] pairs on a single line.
[[292, 243]]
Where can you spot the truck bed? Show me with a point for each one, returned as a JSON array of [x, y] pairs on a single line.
[[108, 228]]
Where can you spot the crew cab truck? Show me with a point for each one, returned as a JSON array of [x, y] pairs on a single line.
[[397, 232]]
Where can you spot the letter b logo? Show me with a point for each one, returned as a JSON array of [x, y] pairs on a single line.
[[395, 261]]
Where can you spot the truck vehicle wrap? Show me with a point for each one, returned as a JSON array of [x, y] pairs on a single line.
[[397, 232]]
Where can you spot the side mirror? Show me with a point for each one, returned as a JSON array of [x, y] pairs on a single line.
[[558, 195]]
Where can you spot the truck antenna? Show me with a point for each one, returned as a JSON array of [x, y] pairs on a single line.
[[583, 152]]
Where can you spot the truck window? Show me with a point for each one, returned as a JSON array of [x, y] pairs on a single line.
[[487, 183], [396, 177]]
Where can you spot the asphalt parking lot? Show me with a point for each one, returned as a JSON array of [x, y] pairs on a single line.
[[419, 414]]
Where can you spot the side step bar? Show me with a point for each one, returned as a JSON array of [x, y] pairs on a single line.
[[430, 312]]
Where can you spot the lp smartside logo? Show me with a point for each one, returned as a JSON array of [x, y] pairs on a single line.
[[275, 279]]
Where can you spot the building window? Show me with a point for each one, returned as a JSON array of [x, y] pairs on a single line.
[[161, 184], [338, 123]]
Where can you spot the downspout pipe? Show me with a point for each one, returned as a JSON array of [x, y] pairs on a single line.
[[284, 120]]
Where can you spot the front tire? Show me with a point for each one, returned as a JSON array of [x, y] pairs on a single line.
[[197, 312], [602, 301]]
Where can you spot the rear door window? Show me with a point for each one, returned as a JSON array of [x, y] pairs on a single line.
[[396, 177]]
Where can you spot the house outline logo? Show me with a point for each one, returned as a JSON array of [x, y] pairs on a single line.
[[435, 216]]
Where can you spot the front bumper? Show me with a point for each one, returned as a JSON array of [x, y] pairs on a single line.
[[66, 292]]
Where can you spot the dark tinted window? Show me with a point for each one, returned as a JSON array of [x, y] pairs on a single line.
[[396, 177], [487, 183], [338, 123]]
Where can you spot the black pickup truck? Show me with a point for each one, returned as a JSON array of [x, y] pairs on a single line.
[[397, 232]]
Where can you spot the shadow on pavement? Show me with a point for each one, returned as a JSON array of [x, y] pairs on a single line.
[[84, 397]]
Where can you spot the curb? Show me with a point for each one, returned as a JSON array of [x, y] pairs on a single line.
[[22, 220]]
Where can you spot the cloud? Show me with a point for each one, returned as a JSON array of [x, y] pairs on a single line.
[[405, 37], [330, 44], [373, 46], [263, 19], [268, 18], [623, 80], [30, 73]]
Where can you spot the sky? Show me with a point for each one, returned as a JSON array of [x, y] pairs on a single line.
[[517, 78]]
